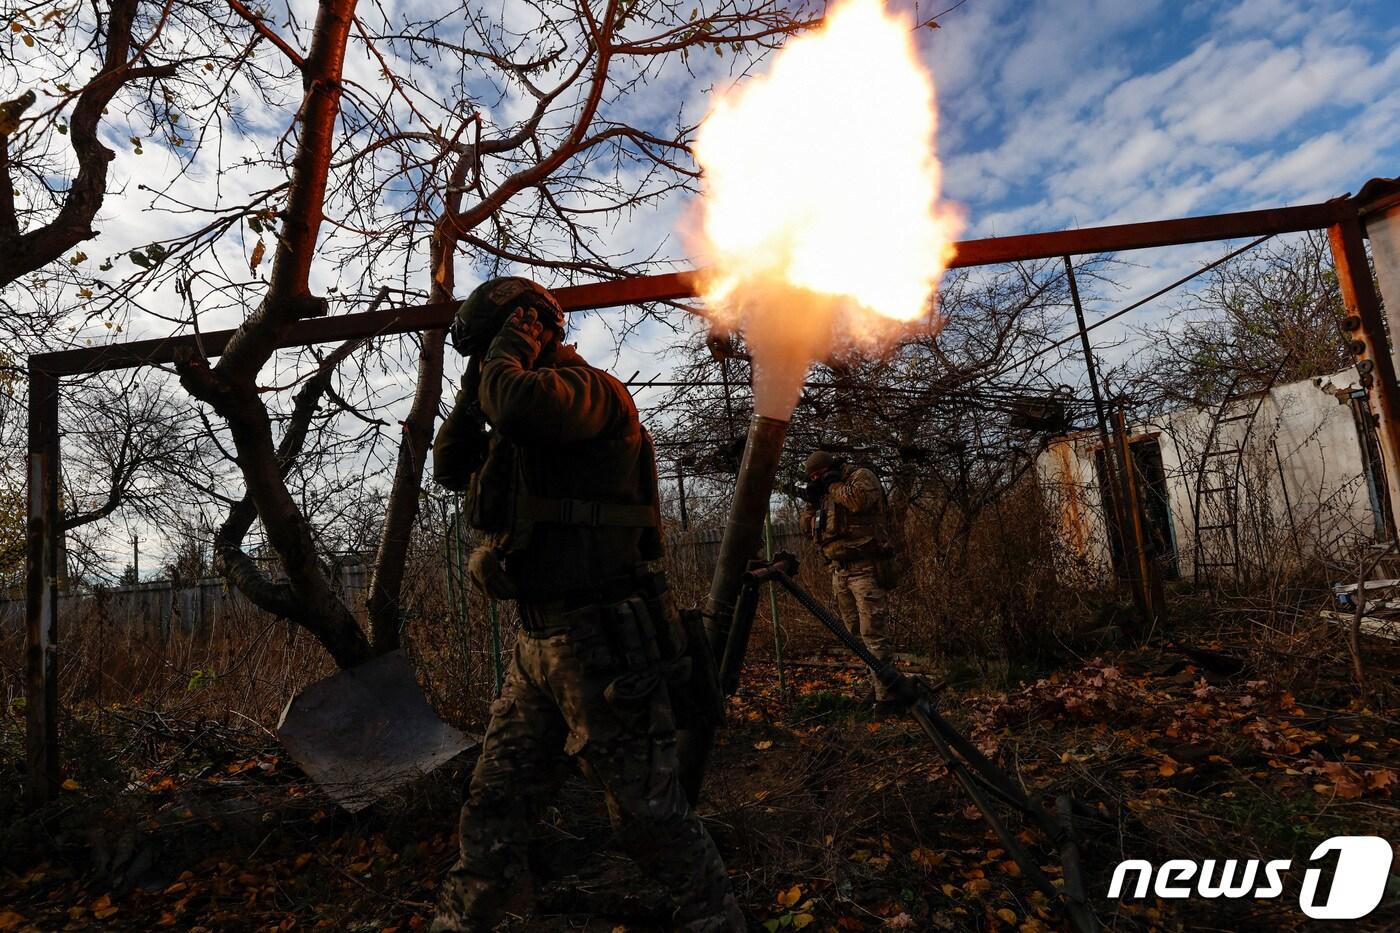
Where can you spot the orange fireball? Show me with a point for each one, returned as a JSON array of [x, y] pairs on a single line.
[[821, 175]]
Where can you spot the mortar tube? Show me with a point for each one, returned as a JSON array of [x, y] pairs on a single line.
[[743, 532], [742, 536]]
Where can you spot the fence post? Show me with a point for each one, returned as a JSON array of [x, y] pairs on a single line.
[[45, 527]]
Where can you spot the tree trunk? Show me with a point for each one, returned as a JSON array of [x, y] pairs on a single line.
[[386, 586], [230, 388]]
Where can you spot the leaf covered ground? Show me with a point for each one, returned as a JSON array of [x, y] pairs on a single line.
[[828, 819]]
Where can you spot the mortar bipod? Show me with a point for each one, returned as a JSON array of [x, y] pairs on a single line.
[[979, 777]]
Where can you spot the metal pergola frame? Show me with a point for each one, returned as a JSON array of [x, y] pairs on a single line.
[[1343, 218]]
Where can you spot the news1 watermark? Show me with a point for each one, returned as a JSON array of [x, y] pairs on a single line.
[[1358, 878]]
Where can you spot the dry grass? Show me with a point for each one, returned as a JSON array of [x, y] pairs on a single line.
[[167, 739]]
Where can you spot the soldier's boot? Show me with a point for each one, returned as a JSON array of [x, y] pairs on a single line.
[[729, 919], [468, 904]]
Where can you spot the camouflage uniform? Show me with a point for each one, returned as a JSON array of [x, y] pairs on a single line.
[[846, 525], [567, 494]]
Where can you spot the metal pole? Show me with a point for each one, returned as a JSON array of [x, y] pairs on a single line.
[[680, 487], [496, 647], [673, 285], [773, 605], [1116, 517], [1366, 326], [41, 603]]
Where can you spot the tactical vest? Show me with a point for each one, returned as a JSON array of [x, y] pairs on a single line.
[[503, 505], [845, 534]]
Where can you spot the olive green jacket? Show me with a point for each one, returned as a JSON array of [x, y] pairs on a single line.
[[560, 430]]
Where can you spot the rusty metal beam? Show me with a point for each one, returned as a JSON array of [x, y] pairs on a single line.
[[1154, 233], [665, 287], [41, 593], [1365, 326], [672, 286]]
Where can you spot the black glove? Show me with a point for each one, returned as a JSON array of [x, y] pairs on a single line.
[[816, 489], [521, 338], [807, 492]]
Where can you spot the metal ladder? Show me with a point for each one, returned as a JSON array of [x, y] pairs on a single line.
[[1218, 488]]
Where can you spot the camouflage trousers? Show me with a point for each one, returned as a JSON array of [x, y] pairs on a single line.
[[864, 607], [553, 702]]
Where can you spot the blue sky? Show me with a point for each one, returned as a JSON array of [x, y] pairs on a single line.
[[1062, 113], [1053, 114]]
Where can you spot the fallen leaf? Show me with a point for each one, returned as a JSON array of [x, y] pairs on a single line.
[[764, 745], [927, 859], [789, 897]]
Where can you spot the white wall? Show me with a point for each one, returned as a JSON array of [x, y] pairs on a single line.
[[1319, 462]]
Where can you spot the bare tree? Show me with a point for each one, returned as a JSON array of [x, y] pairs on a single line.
[[946, 415], [542, 179], [1271, 315]]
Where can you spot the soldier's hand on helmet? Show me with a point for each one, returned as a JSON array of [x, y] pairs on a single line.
[[818, 486], [521, 338]]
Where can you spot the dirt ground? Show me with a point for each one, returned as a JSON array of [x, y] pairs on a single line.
[[827, 819]]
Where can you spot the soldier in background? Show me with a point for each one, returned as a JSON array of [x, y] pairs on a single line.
[[846, 517], [563, 485]]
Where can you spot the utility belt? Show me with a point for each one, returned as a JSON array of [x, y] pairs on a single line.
[[883, 558], [553, 616], [633, 633], [842, 551]]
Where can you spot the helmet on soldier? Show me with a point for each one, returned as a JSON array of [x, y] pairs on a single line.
[[818, 462], [484, 312]]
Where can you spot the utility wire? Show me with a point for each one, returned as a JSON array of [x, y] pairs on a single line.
[[1134, 306]]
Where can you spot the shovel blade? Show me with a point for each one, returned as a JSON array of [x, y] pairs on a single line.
[[365, 731]]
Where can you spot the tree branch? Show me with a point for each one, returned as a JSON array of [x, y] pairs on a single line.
[[21, 254], [264, 30]]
